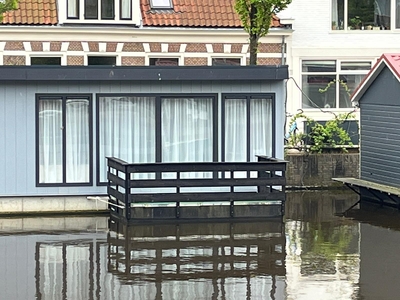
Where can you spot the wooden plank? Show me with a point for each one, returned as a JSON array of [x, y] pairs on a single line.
[[116, 163], [206, 167], [391, 190], [116, 194], [216, 196], [115, 179], [206, 182]]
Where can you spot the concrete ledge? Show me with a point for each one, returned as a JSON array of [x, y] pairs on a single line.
[[53, 224], [50, 204]]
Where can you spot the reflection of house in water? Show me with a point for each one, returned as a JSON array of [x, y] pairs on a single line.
[[202, 260], [322, 251], [210, 260]]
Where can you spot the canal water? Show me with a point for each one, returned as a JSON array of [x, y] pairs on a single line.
[[314, 253]]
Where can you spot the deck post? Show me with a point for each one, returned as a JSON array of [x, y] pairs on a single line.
[[127, 193]]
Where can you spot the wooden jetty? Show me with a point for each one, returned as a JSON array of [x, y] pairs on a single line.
[[196, 190], [385, 195]]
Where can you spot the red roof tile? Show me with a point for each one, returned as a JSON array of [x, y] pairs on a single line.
[[195, 13], [32, 12]]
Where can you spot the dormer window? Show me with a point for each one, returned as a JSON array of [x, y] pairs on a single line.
[[161, 4], [99, 9]]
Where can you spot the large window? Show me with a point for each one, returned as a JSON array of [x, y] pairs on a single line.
[[100, 9], [63, 139], [365, 14], [329, 83], [152, 128], [247, 127]]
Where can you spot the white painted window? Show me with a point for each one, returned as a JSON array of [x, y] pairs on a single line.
[[225, 61], [99, 9], [328, 84], [164, 61], [160, 4], [365, 14]]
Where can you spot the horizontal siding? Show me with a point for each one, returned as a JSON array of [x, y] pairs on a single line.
[[17, 124], [380, 143]]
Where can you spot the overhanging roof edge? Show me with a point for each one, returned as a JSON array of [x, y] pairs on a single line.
[[142, 73]]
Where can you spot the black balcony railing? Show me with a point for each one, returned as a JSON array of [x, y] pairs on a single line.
[[140, 184]]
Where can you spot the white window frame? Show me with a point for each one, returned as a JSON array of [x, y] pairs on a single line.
[[337, 74], [47, 54], [134, 20], [346, 26], [163, 55], [166, 4], [242, 57]]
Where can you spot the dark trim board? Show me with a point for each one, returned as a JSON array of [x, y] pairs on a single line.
[[142, 73]]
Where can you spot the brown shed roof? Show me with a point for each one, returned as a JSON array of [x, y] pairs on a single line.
[[32, 12], [194, 13]]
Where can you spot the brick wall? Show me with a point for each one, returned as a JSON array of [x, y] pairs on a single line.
[[317, 170]]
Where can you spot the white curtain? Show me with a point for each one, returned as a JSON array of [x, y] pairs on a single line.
[[187, 131], [50, 141], [73, 9], [236, 129], [260, 128], [77, 140], [126, 130], [335, 17], [126, 9]]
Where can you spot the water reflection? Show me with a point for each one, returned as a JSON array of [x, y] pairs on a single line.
[[312, 254]]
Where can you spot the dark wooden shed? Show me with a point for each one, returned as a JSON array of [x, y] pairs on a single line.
[[378, 97]]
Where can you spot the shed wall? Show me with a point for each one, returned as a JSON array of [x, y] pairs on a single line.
[[380, 123], [380, 143], [17, 123]]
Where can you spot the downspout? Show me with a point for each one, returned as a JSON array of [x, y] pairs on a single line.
[[283, 50]]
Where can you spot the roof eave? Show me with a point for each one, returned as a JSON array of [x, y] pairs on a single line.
[[142, 73]]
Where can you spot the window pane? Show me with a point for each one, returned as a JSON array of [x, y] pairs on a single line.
[[102, 60], [260, 128], [397, 13], [366, 14], [107, 9], [126, 130], [350, 82], [73, 8], [311, 85], [77, 140], [319, 66], [187, 129], [226, 61], [337, 14], [56, 61], [126, 10], [91, 9], [356, 65], [166, 61], [50, 141], [235, 130], [160, 4]]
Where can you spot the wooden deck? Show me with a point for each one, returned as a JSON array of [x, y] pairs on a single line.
[[372, 191], [196, 190]]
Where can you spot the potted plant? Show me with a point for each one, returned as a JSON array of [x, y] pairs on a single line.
[[355, 23], [334, 25]]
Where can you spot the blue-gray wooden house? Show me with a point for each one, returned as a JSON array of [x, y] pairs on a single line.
[[58, 124]]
